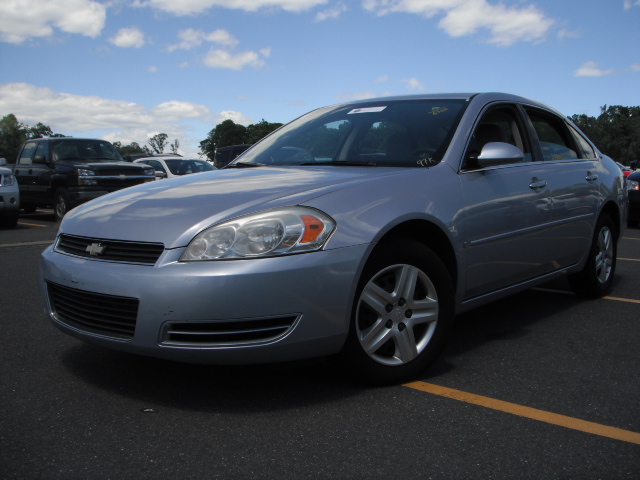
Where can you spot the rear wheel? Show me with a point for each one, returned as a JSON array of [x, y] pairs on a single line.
[[60, 203], [402, 313], [597, 276]]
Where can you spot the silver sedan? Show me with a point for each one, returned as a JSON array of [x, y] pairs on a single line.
[[357, 231]]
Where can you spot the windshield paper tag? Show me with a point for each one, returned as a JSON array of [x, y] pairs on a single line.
[[366, 110]]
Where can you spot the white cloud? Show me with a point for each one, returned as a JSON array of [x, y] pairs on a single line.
[[635, 67], [631, 3], [191, 38], [116, 120], [21, 20], [128, 38], [237, 117], [591, 69], [414, 84], [192, 7], [564, 33], [331, 13], [506, 25], [224, 59]]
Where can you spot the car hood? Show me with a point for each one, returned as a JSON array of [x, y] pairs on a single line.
[[173, 211]]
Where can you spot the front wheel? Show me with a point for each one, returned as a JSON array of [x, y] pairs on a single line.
[[60, 203], [596, 278], [402, 313]]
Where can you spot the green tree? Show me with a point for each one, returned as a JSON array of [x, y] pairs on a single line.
[[131, 149], [258, 131], [230, 133], [616, 132], [224, 134], [158, 142], [12, 135]]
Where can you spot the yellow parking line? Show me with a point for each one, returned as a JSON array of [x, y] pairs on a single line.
[[618, 299], [33, 224], [527, 412], [630, 259]]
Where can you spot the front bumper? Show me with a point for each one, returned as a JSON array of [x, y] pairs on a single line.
[[182, 308]]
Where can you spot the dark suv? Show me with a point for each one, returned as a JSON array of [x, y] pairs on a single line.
[[65, 172]]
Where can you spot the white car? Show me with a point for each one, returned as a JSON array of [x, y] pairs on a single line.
[[175, 166], [9, 196]]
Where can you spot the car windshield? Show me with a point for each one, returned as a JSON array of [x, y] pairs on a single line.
[[87, 150], [399, 133], [183, 167]]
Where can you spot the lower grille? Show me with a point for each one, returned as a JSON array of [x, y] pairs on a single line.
[[108, 315], [212, 334], [110, 250]]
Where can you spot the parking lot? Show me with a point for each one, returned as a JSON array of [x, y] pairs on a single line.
[[542, 385]]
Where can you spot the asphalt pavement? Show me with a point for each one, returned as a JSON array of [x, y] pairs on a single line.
[[542, 385]]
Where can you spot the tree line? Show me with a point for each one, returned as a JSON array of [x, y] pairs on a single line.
[[616, 132]]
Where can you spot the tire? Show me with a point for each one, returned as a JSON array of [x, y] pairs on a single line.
[[596, 278], [60, 203], [402, 314]]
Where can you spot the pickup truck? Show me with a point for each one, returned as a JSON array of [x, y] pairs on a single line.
[[64, 172]]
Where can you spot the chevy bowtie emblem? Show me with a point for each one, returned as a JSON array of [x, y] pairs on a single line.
[[95, 249]]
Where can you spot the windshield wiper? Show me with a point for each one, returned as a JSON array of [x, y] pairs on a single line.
[[245, 165], [340, 163]]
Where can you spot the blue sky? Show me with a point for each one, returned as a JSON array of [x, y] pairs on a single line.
[[126, 70]]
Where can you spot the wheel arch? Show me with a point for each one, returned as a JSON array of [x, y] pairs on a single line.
[[611, 209], [428, 234]]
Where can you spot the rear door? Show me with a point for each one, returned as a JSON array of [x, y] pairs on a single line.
[[508, 211], [572, 185]]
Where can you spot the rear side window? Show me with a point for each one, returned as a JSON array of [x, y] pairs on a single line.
[[586, 150], [554, 137]]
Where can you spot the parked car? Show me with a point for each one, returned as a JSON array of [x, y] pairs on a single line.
[[9, 196], [625, 170], [357, 231], [171, 166], [65, 172], [633, 187], [225, 155]]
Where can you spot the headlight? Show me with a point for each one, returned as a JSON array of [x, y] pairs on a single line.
[[270, 233], [7, 180], [149, 172], [633, 185], [83, 177]]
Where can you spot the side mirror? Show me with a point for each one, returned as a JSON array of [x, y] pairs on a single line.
[[498, 153], [160, 175], [3, 162], [39, 159]]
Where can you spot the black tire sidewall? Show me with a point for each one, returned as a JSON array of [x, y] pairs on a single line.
[[395, 252], [586, 283], [60, 193]]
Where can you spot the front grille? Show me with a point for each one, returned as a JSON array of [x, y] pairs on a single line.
[[110, 250], [212, 334], [108, 315]]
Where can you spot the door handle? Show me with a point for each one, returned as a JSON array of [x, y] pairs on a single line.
[[537, 184], [591, 177]]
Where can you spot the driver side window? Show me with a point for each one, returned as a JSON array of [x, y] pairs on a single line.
[[499, 124]]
